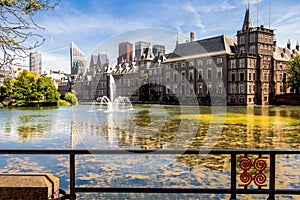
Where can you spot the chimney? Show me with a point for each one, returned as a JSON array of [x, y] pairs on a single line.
[[275, 43], [288, 44], [192, 36]]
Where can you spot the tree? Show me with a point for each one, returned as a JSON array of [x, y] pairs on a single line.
[[25, 86], [293, 72], [47, 90], [6, 89], [18, 28], [71, 97]]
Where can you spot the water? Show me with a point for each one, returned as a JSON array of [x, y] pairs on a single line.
[[149, 127]]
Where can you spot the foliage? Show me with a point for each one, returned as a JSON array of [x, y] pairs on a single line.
[[47, 89], [293, 72], [6, 89], [25, 86], [29, 89], [71, 97], [63, 103], [17, 27]]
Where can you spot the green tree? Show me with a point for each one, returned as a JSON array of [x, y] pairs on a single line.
[[293, 74], [25, 86], [47, 90], [6, 89], [71, 97], [18, 28]]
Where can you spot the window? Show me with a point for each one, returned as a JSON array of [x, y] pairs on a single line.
[[281, 89], [233, 64], [168, 89], [242, 49], [219, 88], [199, 62], [233, 89], [249, 89], [242, 89], [242, 63], [191, 63], [219, 60], [254, 78], [150, 72], [242, 77], [209, 61], [252, 38], [219, 72], [209, 73], [191, 74], [168, 76], [200, 88], [182, 75], [182, 89], [232, 99], [250, 76], [191, 90], [233, 77], [242, 99], [175, 66], [242, 40], [175, 89], [167, 66], [252, 49], [200, 73], [209, 88], [175, 76], [182, 65], [142, 72], [280, 67]]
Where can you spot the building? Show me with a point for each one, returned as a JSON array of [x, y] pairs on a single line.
[[35, 62], [5, 71], [158, 49], [140, 48], [199, 68], [96, 62], [125, 52], [78, 60], [249, 69]]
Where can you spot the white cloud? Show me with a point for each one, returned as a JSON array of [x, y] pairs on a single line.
[[55, 62], [191, 8]]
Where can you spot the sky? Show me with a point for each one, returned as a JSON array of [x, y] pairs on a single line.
[[99, 25]]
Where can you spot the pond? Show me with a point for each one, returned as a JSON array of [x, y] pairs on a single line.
[[149, 127]]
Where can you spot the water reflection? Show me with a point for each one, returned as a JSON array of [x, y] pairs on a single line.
[[153, 127]]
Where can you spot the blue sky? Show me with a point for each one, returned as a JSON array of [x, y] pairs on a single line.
[[93, 25]]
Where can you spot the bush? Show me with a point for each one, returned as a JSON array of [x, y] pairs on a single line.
[[71, 97]]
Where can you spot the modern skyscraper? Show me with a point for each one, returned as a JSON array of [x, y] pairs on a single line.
[[140, 48], [157, 49], [35, 62], [125, 52], [78, 60]]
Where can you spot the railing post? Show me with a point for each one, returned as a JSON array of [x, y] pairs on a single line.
[[72, 177], [233, 176], [272, 176]]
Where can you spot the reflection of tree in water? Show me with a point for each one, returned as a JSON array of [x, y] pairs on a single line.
[[30, 126]]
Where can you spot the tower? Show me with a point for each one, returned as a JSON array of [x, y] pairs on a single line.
[[125, 52], [250, 70]]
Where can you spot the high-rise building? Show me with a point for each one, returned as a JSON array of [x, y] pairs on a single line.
[[140, 48], [35, 62], [158, 49], [125, 52], [78, 60]]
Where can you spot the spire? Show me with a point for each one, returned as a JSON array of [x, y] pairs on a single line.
[[177, 40], [247, 21]]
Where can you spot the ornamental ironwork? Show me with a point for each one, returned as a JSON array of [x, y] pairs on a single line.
[[258, 177]]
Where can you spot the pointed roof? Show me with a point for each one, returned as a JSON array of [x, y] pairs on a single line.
[[247, 20]]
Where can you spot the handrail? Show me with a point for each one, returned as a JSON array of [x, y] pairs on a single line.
[[259, 165]]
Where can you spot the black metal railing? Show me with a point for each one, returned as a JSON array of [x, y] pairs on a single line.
[[239, 161]]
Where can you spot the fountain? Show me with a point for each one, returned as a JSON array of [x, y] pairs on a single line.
[[114, 104]]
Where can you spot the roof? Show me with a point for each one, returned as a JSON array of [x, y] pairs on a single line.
[[285, 54], [207, 47]]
